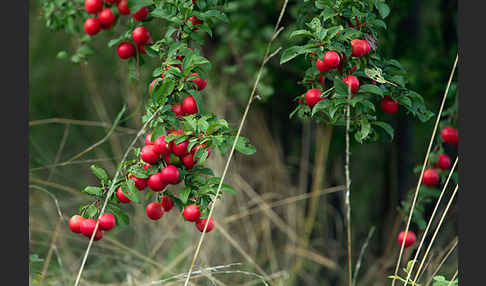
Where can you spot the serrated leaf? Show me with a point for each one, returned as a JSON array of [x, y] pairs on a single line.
[[302, 32], [291, 53], [129, 189], [99, 172], [184, 195], [243, 146], [139, 172]]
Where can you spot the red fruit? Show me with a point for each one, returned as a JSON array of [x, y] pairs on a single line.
[[201, 224], [177, 109], [201, 84], [92, 26], [153, 82], [148, 154], [321, 79], [321, 66], [141, 35], [388, 105], [87, 227], [195, 21], [161, 147], [188, 161], [123, 7], [93, 6], [106, 18], [352, 81], [148, 139], [194, 2], [359, 48], [170, 174], [312, 97], [140, 183], [450, 135], [112, 1], [331, 59], [125, 50], [409, 237], [141, 14], [121, 196], [107, 221], [167, 203], [141, 48], [99, 234], [191, 213], [154, 211], [189, 105], [430, 178], [180, 149], [156, 182], [444, 162], [301, 99], [75, 222]]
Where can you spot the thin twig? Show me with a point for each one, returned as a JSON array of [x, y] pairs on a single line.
[[443, 261], [453, 278], [361, 254], [348, 190], [423, 168]]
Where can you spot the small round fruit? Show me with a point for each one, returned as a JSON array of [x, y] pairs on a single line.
[[107, 18], [444, 162], [180, 149], [200, 83], [177, 109], [99, 234], [107, 221], [92, 26], [148, 139], [123, 7], [141, 35], [75, 222], [321, 78], [359, 48], [140, 183], [450, 135], [156, 182], [112, 1], [188, 161], [121, 196], [331, 59], [189, 105], [170, 174], [167, 203], [352, 81], [201, 224], [87, 227], [389, 105], [154, 211], [321, 66], [312, 97], [430, 178], [409, 237], [191, 213], [93, 6], [148, 154], [125, 50], [141, 14], [161, 147]]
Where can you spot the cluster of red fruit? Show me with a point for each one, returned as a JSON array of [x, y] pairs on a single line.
[[332, 60], [86, 226], [431, 177]]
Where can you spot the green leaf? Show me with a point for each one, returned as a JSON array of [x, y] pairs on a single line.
[[121, 217], [370, 88], [387, 127], [365, 128], [62, 55], [139, 172], [99, 172], [184, 195], [302, 32], [129, 189], [321, 105], [383, 9], [136, 5], [228, 189], [214, 14], [340, 87], [291, 53], [94, 191], [243, 146], [91, 211]]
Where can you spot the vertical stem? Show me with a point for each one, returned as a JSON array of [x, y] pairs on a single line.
[[348, 191]]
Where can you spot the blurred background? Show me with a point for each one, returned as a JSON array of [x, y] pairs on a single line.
[[272, 226]]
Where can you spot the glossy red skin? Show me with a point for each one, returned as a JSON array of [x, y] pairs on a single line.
[[87, 227], [170, 174], [149, 155], [140, 183], [200, 83], [312, 97], [92, 26], [189, 105], [141, 35], [107, 221], [331, 59], [112, 1], [450, 135], [141, 14], [321, 79], [188, 161], [191, 213], [430, 178], [200, 224], [409, 237], [148, 139], [167, 203], [444, 162], [359, 48], [93, 6], [75, 222], [161, 146], [302, 98], [177, 109], [123, 7], [125, 50], [321, 66], [180, 149], [156, 182], [154, 211], [121, 196], [99, 234], [388, 105], [106, 18], [352, 81], [153, 82]]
